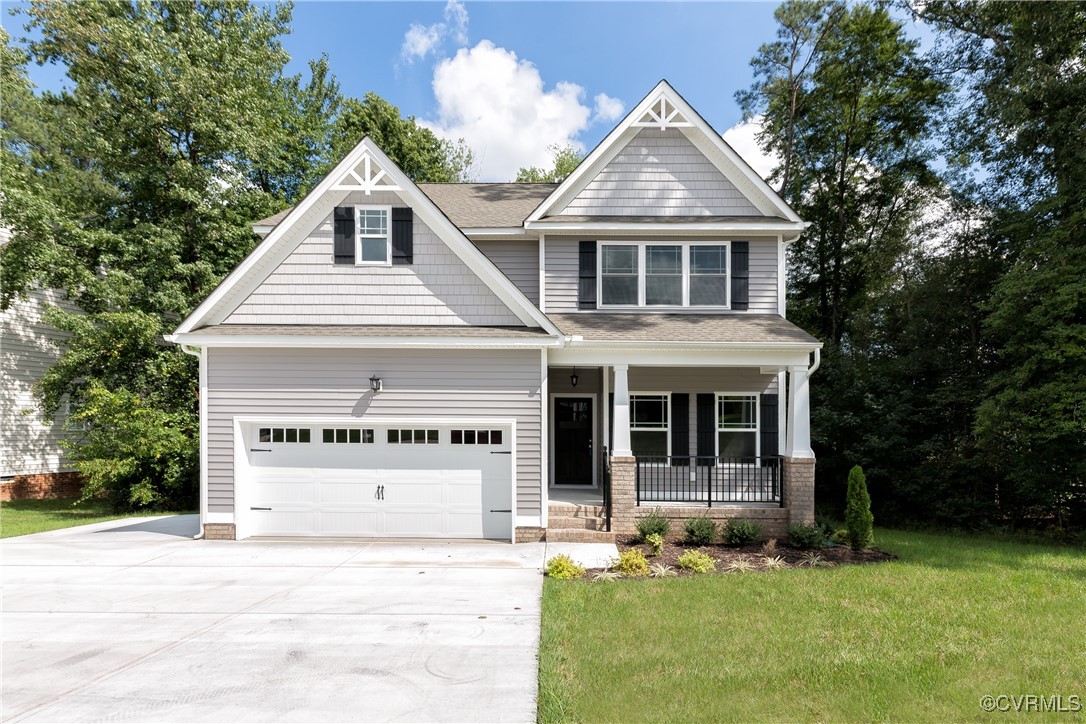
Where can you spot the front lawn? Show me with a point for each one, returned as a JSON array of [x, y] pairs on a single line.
[[923, 637], [21, 517]]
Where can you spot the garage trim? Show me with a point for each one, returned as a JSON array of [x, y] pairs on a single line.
[[242, 470]]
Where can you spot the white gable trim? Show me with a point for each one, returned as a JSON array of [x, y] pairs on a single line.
[[663, 107], [315, 207]]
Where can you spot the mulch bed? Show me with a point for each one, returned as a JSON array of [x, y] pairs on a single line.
[[754, 554]]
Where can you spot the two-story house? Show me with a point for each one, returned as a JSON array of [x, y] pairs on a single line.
[[509, 361]]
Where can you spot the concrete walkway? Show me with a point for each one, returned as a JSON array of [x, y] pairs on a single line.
[[132, 620]]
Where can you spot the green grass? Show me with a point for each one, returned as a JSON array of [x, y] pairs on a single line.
[[21, 517], [922, 638]]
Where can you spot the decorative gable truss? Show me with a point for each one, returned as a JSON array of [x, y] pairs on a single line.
[[366, 169], [662, 114]]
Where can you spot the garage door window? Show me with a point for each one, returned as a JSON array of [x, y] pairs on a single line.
[[284, 434], [413, 437], [476, 437], [348, 435]]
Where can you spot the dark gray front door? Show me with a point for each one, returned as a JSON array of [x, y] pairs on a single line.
[[573, 441]]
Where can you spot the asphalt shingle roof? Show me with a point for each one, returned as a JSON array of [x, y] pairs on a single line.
[[656, 327], [343, 330], [474, 205]]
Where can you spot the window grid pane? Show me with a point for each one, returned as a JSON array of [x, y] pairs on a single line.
[[648, 412], [737, 412]]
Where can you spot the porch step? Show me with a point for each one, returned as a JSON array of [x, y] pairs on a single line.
[[586, 523], [572, 510], [578, 535]]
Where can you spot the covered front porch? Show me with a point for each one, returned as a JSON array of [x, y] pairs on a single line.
[[719, 434]]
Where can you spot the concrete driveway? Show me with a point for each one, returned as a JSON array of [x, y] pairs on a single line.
[[134, 621]]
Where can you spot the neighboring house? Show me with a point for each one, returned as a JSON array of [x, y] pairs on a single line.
[[32, 462], [510, 361]]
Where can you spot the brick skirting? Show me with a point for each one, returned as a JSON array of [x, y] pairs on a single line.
[[219, 531], [42, 486], [530, 535]]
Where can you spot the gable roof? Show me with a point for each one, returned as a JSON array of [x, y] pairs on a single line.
[[364, 168], [664, 108], [470, 205]]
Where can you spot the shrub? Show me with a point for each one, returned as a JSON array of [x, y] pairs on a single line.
[[606, 576], [651, 523], [662, 570], [656, 542], [773, 563], [741, 565], [741, 532], [827, 525], [806, 537], [697, 562], [631, 563], [858, 518], [699, 531], [563, 568], [840, 536], [815, 560], [769, 548]]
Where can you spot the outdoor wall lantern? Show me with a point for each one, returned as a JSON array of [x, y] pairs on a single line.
[[375, 383], [573, 377]]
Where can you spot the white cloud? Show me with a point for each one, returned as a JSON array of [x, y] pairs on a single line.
[[497, 103], [421, 40], [608, 108], [741, 137]]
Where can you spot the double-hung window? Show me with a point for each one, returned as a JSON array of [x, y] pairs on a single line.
[[737, 426], [374, 237], [649, 425], [658, 274]]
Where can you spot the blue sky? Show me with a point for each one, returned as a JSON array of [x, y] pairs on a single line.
[[515, 77]]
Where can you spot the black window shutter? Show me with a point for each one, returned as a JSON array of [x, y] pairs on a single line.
[[586, 287], [343, 235], [403, 236], [740, 275], [706, 427], [680, 429], [769, 427]]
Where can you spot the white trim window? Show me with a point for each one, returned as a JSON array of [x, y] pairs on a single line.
[[650, 424], [373, 235], [737, 426], [664, 274]]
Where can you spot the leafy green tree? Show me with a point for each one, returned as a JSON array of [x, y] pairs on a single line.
[[415, 149], [147, 176], [858, 518], [566, 159]]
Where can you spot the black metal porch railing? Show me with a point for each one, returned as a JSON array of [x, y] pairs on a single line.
[[708, 480]]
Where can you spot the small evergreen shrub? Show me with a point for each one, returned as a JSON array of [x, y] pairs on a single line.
[[651, 523], [697, 562], [769, 548], [806, 537], [858, 518], [741, 532], [840, 536], [656, 542], [699, 531], [562, 568], [631, 563]]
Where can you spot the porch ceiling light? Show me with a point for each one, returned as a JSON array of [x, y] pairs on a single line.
[[375, 383], [573, 378]]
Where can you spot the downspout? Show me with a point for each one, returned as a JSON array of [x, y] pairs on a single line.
[[817, 361], [198, 353]]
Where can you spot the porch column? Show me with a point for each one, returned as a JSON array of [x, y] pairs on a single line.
[[798, 439], [621, 422]]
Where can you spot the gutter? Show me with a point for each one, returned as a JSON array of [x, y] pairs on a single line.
[[198, 353]]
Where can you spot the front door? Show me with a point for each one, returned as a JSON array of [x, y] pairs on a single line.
[[573, 441]]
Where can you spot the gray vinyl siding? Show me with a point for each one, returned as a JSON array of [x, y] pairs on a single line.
[[518, 260], [29, 347], [436, 289], [660, 173], [334, 382], [562, 267]]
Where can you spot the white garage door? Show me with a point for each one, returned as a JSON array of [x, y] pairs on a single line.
[[371, 480]]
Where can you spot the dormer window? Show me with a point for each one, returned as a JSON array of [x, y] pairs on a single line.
[[657, 274], [373, 237]]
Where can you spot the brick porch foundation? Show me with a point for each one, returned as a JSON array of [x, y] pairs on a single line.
[[798, 484], [42, 486], [219, 531]]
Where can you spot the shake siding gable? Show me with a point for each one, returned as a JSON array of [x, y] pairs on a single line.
[[437, 288], [333, 382], [660, 173], [561, 266]]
